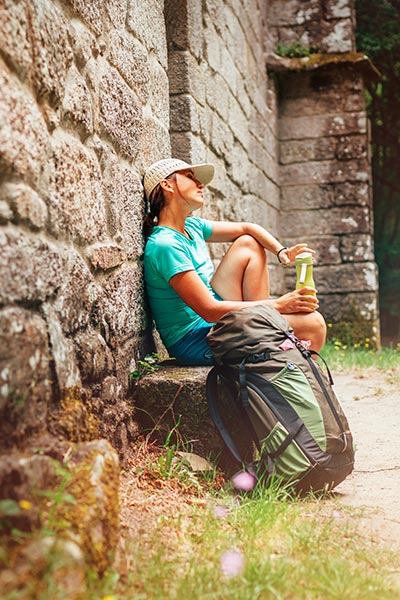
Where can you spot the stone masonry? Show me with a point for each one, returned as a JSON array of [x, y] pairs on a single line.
[[325, 179], [93, 92]]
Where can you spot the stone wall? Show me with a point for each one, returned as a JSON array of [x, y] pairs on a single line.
[[84, 107], [223, 106], [92, 93], [325, 178], [326, 25], [325, 184]]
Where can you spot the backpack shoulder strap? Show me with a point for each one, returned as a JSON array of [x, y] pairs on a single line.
[[212, 399]]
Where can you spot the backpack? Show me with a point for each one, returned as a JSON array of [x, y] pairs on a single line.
[[285, 402]]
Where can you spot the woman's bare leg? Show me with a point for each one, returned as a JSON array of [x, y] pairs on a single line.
[[309, 326], [242, 273]]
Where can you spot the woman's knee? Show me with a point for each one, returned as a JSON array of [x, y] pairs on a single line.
[[250, 244], [317, 328], [309, 326], [321, 324], [316, 322]]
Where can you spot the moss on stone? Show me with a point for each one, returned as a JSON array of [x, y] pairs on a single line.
[[88, 512], [77, 526], [73, 419], [321, 60]]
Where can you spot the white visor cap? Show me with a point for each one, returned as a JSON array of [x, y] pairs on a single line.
[[163, 168]]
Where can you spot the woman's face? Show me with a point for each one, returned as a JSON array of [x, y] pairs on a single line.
[[189, 188]]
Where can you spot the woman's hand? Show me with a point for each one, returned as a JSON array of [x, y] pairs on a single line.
[[298, 301], [287, 256]]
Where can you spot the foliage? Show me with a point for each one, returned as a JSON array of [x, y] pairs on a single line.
[[148, 365], [206, 542], [54, 499], [295, 50], [9, 509], [353, 328], [378, 35], [172, 462], [361, 355], [51, 558]]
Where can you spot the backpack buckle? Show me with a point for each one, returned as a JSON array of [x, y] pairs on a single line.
[[258, 357]]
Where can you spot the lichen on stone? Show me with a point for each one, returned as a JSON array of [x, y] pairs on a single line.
[[73, 419], [84, 506], [94, 517]]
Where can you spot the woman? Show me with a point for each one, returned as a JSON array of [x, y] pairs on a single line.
[[186, 295]]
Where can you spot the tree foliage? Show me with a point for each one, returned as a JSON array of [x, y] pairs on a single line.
[[378, 36]]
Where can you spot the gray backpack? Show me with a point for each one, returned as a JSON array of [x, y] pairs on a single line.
[[285, 403]]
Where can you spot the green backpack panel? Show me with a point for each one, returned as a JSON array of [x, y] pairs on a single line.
[[285, 401]]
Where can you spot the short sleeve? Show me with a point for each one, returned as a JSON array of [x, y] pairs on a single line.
[[171, 260], [207, 229], [202, 227]]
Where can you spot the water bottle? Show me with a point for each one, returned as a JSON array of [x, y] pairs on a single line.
[[304, 271]]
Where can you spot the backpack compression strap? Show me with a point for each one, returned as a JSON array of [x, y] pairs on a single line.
[[307, 355], [329, 400]]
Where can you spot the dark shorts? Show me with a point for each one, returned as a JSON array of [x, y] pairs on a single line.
[[193, 349]]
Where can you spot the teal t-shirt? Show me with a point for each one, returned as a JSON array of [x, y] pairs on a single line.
[[167, 253]]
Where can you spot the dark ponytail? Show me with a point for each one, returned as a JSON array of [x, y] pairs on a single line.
[[157, 203]]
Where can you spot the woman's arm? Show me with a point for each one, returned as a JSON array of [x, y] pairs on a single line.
[[225, 231], [195, 294]]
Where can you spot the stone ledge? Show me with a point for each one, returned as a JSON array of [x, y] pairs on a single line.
[[283, 64], [177, 394]]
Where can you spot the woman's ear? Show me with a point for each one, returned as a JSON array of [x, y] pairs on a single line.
[[166, 185]]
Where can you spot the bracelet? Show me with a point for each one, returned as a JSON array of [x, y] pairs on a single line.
[[279, 251]]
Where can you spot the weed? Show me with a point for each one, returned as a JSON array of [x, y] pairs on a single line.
[[353, 330], [10, 508], [174, 461], [17, 399], [53, 560], [51, 523], [393, 378], [295, 50], [146, 366]]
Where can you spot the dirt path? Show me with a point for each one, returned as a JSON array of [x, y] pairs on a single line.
[[371, 400]]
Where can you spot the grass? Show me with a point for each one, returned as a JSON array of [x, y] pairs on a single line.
[[189, 536], [363, 355], [181, 540], [266, 546]]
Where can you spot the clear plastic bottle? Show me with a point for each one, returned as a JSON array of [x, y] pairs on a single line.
[[304, 271]]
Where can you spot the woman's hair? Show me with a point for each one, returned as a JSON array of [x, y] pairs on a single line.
[[156, 204]]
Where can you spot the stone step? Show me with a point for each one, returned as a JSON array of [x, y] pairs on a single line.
[[174, 398]]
